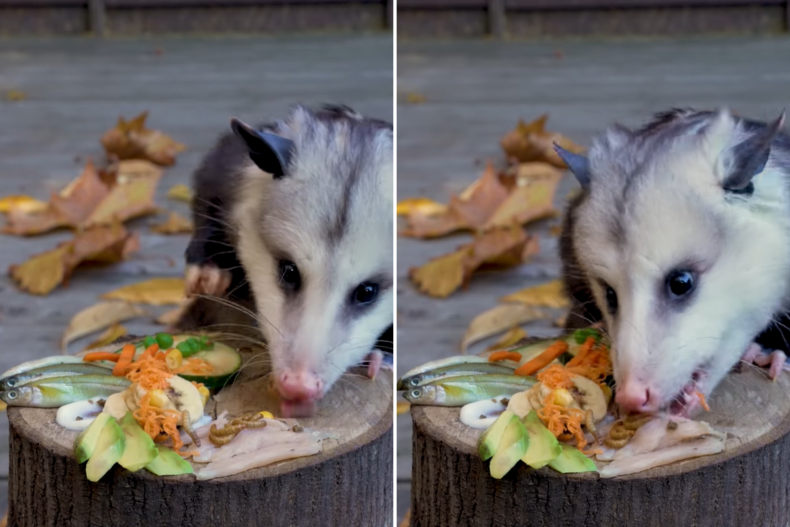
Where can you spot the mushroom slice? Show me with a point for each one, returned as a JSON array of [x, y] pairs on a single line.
[[482, 414], [78, 415], [590, 397]]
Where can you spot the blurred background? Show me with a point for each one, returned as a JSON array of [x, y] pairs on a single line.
[[469, 70], [70, 68]]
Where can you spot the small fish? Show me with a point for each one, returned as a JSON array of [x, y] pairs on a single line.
[[55, 392], [55, 370], [462, 390], [41, 363], [455, 370], [441, 363]]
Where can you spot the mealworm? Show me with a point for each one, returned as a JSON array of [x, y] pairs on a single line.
[[618, 431], [219, 441], [187, 426], [616, 443], [588, 422], [634, 422]]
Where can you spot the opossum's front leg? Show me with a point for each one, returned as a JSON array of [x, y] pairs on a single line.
[[209, 256], [774, 360], [374, 360]]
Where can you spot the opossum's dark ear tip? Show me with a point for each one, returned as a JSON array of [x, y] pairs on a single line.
[[578, 164], [270, 152]]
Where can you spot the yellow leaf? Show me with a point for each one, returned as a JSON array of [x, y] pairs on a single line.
[[530, 202], [424, 206], [510, 338], [415, 98], [132, 140], [403, 407], [532, 142], [155, 292], [15, 95], [97, 317], [175, 224], [25, 204], [551, 294], [441, 276], [498, 319], [180, 193], [3, 407], [128, 199], [110, 335]]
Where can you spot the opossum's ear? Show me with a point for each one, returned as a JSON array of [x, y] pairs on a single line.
[[749, 158], [578, 164], [271, 153]]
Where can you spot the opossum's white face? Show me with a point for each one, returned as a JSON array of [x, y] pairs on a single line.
[[316, 246], [685, 274]]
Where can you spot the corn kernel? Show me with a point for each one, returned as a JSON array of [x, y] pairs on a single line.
[[562, 397], [174, 359], [266, 415], [159, 399], [204, 393]]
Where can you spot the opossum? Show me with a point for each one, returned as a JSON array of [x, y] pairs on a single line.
[[294, 226], [679, 242]]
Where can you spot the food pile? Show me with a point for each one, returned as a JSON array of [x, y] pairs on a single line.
[[143, 406], [548, 403]]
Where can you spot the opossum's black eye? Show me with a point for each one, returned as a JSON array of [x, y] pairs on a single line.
[[611, 299], [365, 293], [289, 276], [680, 283]]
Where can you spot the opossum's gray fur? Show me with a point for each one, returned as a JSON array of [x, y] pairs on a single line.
[[659, 199], [331, 214]]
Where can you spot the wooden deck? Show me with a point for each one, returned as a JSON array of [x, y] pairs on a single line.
[[77, 88], [477, 90]]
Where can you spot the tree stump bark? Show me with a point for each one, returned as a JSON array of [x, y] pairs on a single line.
[[747, 485], [348, 484]]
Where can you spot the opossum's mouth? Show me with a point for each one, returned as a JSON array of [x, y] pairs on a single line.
[[290, 409], [689, 398]]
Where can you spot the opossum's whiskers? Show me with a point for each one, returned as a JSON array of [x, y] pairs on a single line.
[[241, 309]]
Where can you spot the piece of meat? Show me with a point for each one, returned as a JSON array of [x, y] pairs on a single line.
[[641, 462], [303, 446]]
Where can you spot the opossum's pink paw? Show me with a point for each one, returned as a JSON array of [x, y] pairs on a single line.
[[206, 280], [752, 352], [776, 360], [374, 358]]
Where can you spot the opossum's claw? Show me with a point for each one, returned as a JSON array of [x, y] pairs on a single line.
[[206, 280], [374, 359], [776, 360]]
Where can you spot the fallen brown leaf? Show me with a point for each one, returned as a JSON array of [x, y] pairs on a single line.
[[424, 206], [175, 224], [180, 193], [44, 272], [15, 95], [129, 198], [441, 276], [551, 294], [25, 204], [132, 140], [560, 322], [136, 168], [527, 203], [532, 142], [498, 319], [415, 98], [111, 334], [97, 317], [403, 407], [156, 292], [406, 519], [513, 336], [524, 173]]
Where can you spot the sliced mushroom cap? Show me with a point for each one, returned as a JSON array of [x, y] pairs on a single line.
[[184, 396], [519, 404], [590, 397]]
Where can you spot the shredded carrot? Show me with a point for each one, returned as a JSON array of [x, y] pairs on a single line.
[[157, 421], [195, 366], [504, 355], [595, 364], [583, 351], [544, 359], [101, 355], [702, 400], [593, 452], [555, 376], [190, 453], [124, 361], [560, 419]]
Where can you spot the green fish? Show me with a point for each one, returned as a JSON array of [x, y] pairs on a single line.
[[455, 370], [41, 363], [462, 390], [441, 363], [54, 392], [55, 370]]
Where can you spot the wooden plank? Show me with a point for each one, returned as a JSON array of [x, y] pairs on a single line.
[[581, 4], [125, 4], [96, 17], [496, 18]]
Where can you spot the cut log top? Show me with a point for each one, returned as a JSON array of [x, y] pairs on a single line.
[[751, 409]]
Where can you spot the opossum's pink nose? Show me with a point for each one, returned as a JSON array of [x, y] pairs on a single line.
[[635, 397], [299, 385]]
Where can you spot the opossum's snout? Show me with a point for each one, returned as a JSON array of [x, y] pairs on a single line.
[[300, 389]]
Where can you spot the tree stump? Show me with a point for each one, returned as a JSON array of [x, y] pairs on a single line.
[[348, 484], [747, 485]]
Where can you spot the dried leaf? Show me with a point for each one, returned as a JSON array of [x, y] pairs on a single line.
[[424, 206], [551, 294], [15, 95], [129, 198], [441, 276], [532, 142], [175, 224], [403, 407], [24, 204], [424, 226], [44, 272], [137, 168], [156, 292], [555, 230], [524, 173], [111, 334], [530, 202], [97, 317], [415, 98], [512, 337], [132, 140], [180, 193], [498, 319]]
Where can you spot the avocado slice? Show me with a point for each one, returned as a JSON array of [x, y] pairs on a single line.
[[168, 463], [109, 449], [85, 444], [489, 440], [140, 448], [571, 461], [512, 447], [543, 446]]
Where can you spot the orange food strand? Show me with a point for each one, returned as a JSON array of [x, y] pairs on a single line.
[[544, 359], [504, 355], [158, 421], [189, 453], [559, 419], [124, 361], [555, 376], [595, 365], [195, 366], [101, 355], [703, 401], [583, 351], [593, 452]]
